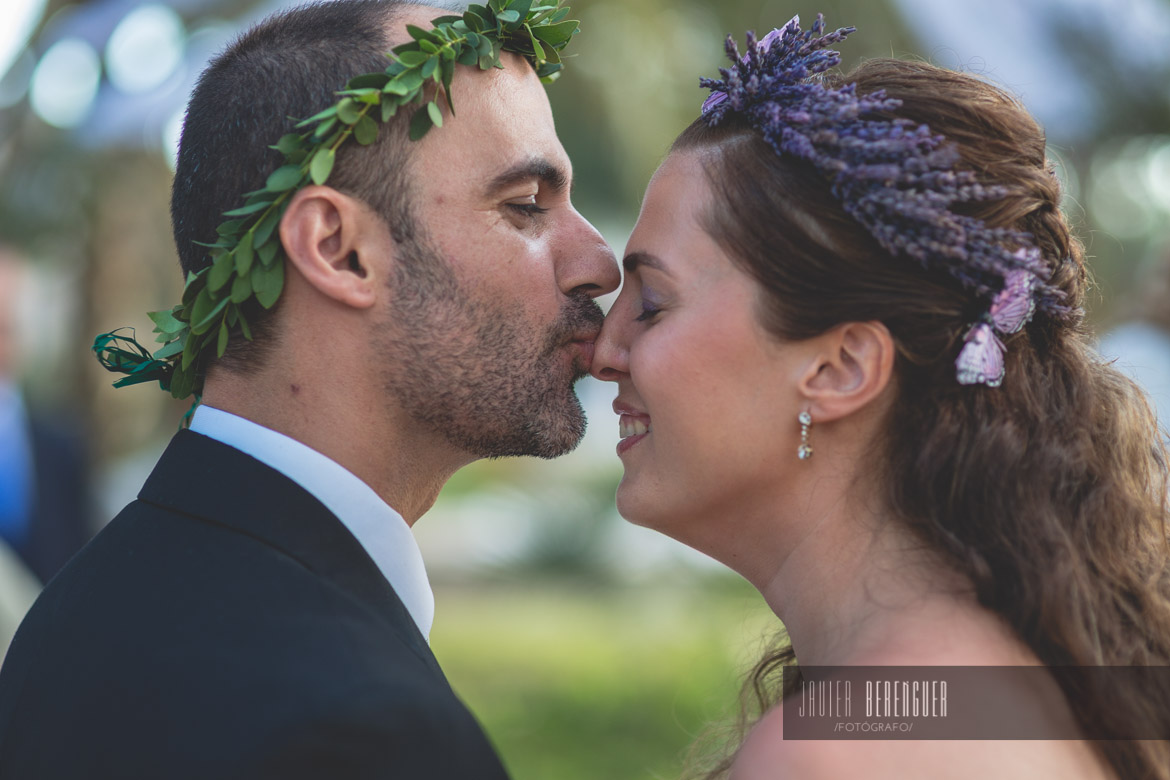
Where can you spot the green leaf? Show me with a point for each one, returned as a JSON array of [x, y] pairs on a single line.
[[486, 62], [264, 229], [389, 109], [348, 111], [549, 72], [329, 112], [321, 166], [222, 342], [166, 322], [244, 327], [448, 73], [268, 287], [171, 349], [210, 320], [509, 16], [436, 114], [241, 289], [551, 54], [472, 40], [428, 47], [405, 83], [191, 289], [420, 124], [231, 227], [559, 15], [244, 211], [468, 57], [537, 50], [473, 20], [366, 95], [412, 59], [520, 8], [557, 34], [368, 81], [244, 255], [324, 128], [287, 144], [190, 350], [448, 54], [284, 178], [540, 13], [418, 33], [366, 130], [221, 271], [267, 252], [260, 196], [182, 383], [428, 70]]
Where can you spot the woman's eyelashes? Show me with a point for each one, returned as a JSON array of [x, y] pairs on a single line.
[[651, 306]]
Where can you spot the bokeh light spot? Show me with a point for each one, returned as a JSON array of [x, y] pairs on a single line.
[[65, 83], [145, 48]]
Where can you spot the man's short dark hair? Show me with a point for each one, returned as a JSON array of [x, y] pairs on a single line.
[[286, 68]]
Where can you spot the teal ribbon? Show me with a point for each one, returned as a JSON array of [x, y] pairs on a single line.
[[124, 355]]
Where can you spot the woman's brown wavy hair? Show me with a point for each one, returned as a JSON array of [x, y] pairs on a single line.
[[1049, 492]]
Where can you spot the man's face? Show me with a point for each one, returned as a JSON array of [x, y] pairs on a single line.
[[491, 320]]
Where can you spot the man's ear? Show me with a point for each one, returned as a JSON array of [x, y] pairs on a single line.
[[325, 235], [853, 364]]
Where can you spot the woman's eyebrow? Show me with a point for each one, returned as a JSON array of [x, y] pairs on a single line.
[[635, 259]]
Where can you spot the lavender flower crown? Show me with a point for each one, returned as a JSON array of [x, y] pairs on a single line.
[[893, 176]]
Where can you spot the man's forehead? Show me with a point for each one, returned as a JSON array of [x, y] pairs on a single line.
[[502, 132]]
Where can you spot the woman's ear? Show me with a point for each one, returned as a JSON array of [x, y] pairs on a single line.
[[853, 364], [322, 231]]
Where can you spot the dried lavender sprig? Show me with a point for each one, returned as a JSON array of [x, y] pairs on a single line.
[[894, 176]]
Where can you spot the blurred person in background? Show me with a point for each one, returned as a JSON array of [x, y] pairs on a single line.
[[44, 497], [262, 611], [1140, 346], [18, 590], [852, 365]]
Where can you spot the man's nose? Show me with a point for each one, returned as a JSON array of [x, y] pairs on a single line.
[[587, 264]]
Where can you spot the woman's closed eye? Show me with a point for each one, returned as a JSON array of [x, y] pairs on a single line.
[[651, 306]]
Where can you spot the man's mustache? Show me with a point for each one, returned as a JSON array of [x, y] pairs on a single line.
[[580, 320]]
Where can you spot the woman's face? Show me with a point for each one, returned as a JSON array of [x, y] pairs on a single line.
[[706, 396]]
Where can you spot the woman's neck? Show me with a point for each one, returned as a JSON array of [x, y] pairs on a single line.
[[859, 589]]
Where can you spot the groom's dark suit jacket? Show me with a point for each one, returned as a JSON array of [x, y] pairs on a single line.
[[227, 625]]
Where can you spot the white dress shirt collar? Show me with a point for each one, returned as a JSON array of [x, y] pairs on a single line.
[[378, 528]]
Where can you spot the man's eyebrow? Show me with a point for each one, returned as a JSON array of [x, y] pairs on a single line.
[[635, 259], [552, 175]]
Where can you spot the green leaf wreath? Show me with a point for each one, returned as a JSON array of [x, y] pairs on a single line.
[[246, 259]]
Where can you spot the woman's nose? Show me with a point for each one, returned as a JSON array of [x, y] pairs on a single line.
[[610, 353]]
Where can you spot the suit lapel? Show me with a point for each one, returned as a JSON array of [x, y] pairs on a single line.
[[207, 479]]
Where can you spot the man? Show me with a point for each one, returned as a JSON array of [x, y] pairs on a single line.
[[261, 610]]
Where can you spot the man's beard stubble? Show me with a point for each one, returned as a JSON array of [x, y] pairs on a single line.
[[468, 368]]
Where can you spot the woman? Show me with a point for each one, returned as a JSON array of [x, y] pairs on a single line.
[[851, 365]]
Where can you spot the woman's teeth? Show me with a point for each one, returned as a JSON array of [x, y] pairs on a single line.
[[631, 426]]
